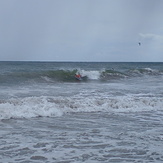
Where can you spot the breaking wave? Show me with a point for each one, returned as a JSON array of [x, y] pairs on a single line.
[[145, 71], [57, 106], [69, 75]]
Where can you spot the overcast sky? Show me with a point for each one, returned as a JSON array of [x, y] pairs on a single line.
[[81, 30]]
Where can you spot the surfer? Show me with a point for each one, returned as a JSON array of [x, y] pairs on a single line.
[[78, 76]]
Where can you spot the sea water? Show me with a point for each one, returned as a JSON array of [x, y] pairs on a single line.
[[115, 114]]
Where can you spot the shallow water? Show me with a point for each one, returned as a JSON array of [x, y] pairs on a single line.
[[84, 137]]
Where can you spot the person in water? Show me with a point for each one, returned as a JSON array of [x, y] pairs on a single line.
[[77, 75]]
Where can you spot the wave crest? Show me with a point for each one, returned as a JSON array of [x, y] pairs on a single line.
[[145, 71], [69, 75]]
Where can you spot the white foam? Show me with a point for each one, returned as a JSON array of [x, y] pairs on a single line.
[[56, 106], [94, 75], [46, 78], [149, 69], [28, 107]]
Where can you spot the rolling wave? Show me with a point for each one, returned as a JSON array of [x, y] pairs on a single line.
[[145, 71], [69, 75]]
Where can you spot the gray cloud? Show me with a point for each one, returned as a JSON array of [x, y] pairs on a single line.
[[83, 30]]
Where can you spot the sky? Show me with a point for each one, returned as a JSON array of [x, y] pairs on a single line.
[[81, 30]]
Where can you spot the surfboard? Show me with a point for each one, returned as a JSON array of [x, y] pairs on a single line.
[[78, 77]]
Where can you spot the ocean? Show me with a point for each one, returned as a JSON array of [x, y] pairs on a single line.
[[113, 115]]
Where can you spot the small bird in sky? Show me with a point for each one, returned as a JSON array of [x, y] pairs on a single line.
[[139, 43]]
